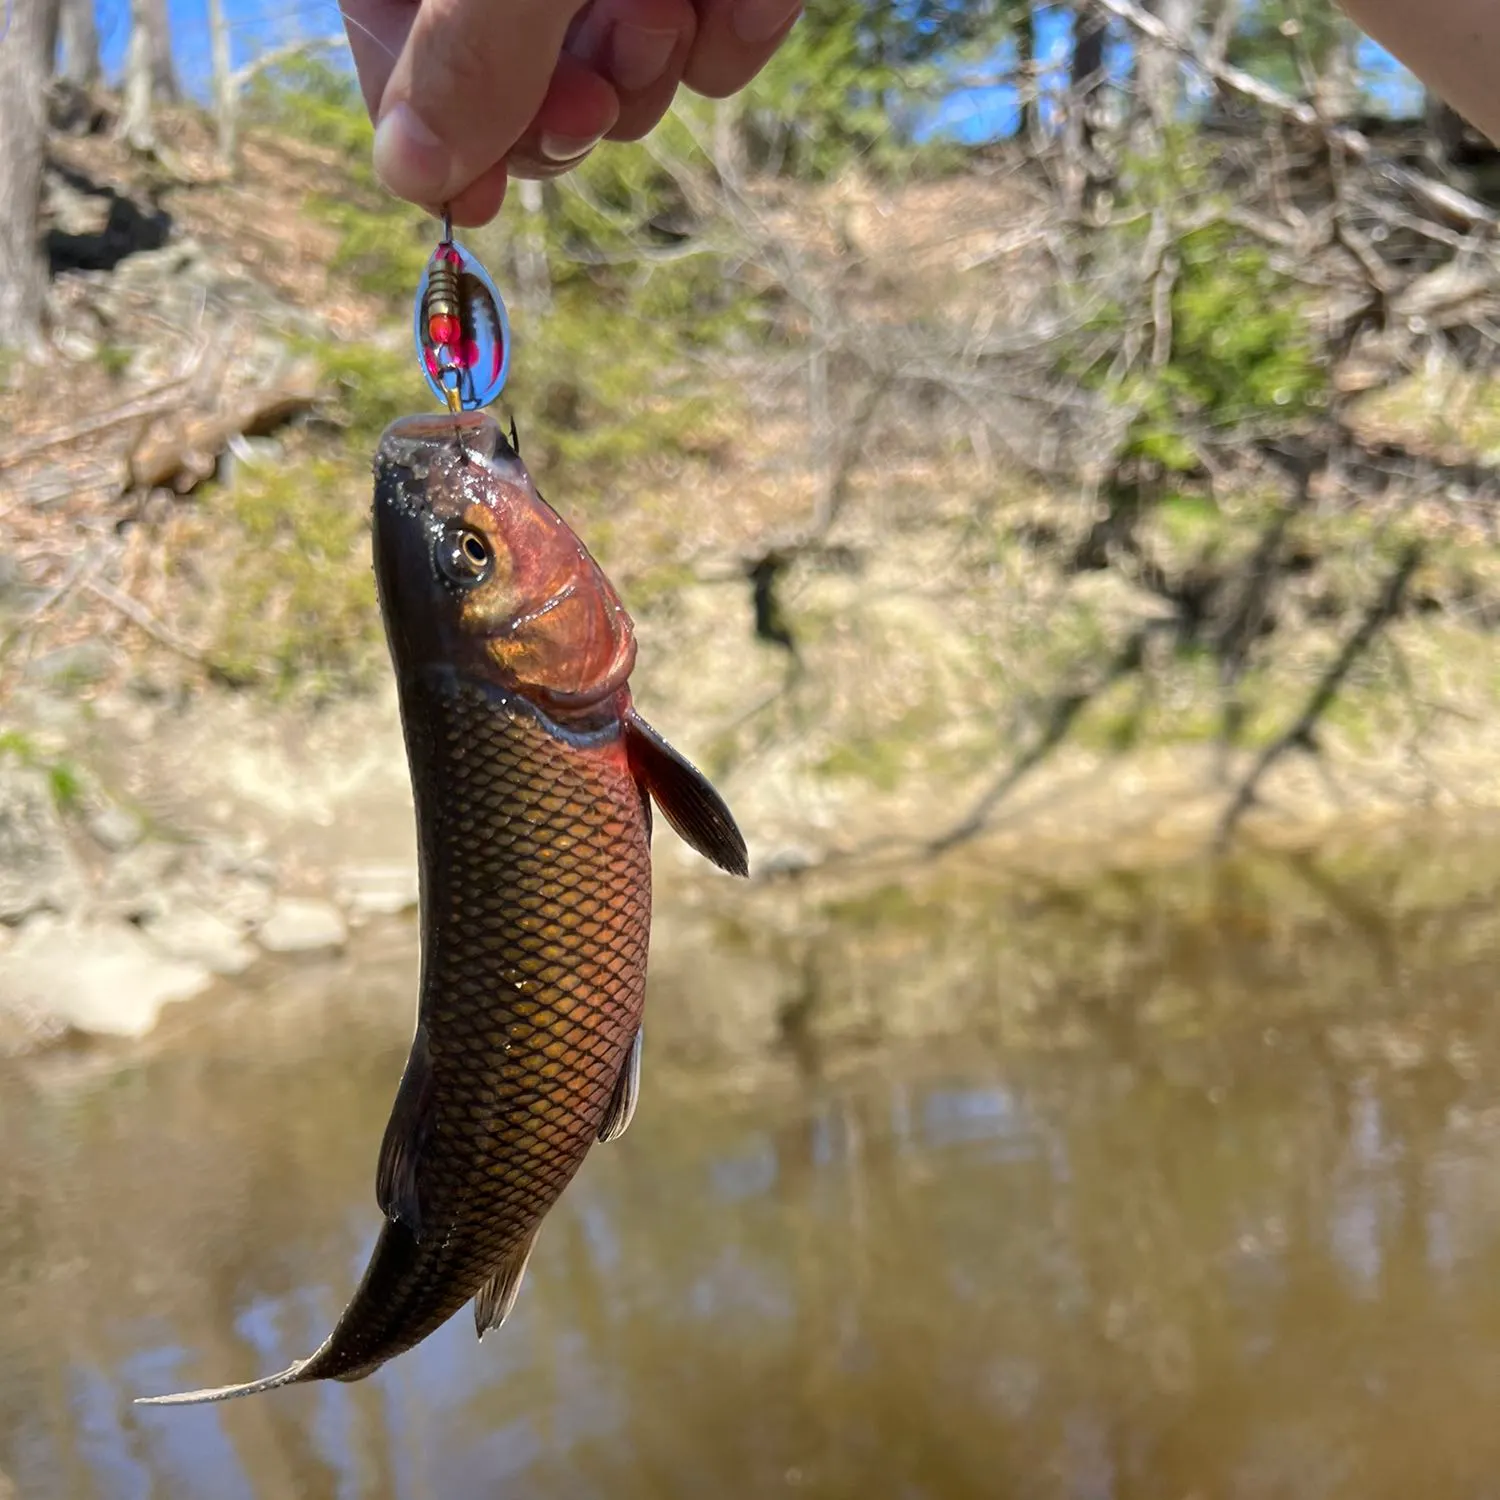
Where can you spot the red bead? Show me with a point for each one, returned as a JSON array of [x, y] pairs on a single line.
[[444, 329]]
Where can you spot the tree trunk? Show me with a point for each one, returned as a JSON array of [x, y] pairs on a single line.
[[149, 79], [1338, 74], [159, 44], [25, 66], [1089, 175], [1158, 69], [137, 127], [225, 101], [1026, 75], [80, 43]]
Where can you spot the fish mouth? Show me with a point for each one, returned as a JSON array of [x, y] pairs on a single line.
[[421, 460]]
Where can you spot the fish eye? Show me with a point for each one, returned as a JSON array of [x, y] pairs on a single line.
[[464, 557]]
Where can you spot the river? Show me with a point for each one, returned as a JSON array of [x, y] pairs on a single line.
[[1220, 1219]]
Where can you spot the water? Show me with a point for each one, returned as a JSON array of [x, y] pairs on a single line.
[[1236, 1239]]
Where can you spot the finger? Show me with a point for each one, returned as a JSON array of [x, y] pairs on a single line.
[[377, 31], [641, 48], [577, 113], [480, 201], [469, 80], [736, 39]]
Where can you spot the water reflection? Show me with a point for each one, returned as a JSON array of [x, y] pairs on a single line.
[[1167, 1260]]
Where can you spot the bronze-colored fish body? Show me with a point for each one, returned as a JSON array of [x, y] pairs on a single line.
[[530, 772]]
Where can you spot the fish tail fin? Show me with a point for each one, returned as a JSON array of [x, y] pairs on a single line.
[[289, 1376]]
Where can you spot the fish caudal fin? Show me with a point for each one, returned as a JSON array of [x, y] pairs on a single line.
[[697, 813], [626, 1096], [498, 1295], [288, 1376]]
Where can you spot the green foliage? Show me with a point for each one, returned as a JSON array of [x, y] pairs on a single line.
[[1243, 360], [114, 359], [298, 597], [1286, 42], [1242, 356], [841, 87], [65, 782], [309, 99], [591, 416], [384, 249], [375, 385], [383, 242]]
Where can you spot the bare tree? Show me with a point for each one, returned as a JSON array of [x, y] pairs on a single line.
[[149, 76], [25, 63], [1158, 69], [1085, 123], [164, 88], [79, 38], [226, 99]]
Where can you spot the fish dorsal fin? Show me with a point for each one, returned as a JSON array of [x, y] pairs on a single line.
[[498, 1295], [398, 1177], [626, 1096], [694, 809]]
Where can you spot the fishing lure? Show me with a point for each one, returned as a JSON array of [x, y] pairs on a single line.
[[461, 327]]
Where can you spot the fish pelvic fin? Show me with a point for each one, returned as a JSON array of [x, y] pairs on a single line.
[[698, 814], [626, 1096], [498, 1295], [289, 1376]]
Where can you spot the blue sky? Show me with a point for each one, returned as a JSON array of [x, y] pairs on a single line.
[[971, 112]]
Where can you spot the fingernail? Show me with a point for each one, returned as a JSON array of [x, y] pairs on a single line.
[[409, 159], [560, 148], [638, 56], [757, 21]]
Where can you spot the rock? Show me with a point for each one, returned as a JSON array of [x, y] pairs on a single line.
[[25, 1031], [37, 869], [202, 937], [102, 978], [135, 884], [73, 666], [298, 925], [17, 595], [115, 828], [376, 890]]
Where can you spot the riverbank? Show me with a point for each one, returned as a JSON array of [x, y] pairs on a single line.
[[214, 847]]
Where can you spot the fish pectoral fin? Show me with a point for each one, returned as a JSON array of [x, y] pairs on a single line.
[[288, 1376], [695, 810], [626, 1096], [498, 1295], [398, 1177]]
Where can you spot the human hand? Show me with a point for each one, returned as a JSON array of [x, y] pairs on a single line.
[[464, 92]]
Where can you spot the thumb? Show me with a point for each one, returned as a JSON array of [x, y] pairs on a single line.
[[468, 82]]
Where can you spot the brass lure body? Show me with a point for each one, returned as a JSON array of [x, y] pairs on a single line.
[[533, 778]]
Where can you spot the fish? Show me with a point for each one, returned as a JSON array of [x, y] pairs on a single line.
[[533, 779]]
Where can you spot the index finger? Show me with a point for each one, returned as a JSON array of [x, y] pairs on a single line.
[[469, 79], [736, 39]]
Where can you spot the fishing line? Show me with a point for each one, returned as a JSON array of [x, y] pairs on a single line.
[[349, 20]]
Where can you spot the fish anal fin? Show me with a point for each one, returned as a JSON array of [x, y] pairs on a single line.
[[289, 1376], [697, 813], [398, 1177], [498, 1295], [626, 1096]]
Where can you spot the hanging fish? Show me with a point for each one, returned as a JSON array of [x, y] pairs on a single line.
[[533, 778]]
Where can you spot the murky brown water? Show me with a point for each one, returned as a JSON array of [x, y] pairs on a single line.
[[1174, 1251]]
